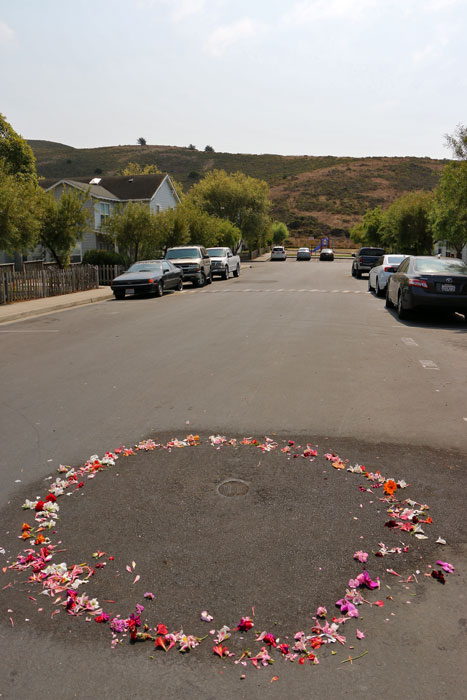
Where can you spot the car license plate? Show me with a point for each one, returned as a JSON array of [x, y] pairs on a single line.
[[448, 288], [129, 291]]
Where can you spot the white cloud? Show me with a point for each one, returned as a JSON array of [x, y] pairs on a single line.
[[179, 9], [437, 5], [315, 10], [6, 33], [226, 35], [182, 9]]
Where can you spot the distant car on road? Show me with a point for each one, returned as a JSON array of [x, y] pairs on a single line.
[[326, 254], [428, 282], [148, 276], [223, 262], [303, 254], [278, 253], [365, 259], [378, 276]]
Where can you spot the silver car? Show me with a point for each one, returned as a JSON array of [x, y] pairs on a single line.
[[379, 275]]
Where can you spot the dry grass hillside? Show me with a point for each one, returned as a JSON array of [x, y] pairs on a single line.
[[314, 195]]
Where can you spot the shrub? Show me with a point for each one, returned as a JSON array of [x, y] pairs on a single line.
[[103, 257]]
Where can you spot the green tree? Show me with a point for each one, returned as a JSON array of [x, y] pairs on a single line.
[[457, 142], [279, 232], [172, 228], [369, 230], [242, 200], [133, 227], [448, 216], [406, 224], [21, 205], [16, 156], [63, 223], [141, 141], [137, 169], [209, 149]]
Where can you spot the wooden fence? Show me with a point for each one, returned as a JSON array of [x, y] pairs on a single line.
[[36, 284], [108, 272]]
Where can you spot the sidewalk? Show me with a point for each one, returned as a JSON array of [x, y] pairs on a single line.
[[35, 307]]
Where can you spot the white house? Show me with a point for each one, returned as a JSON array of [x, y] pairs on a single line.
[[157, 191], [442, 249]]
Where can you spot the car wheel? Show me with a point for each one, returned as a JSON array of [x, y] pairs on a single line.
[[237, 271], [209, 278], [377, 289], [202, 280], [401, 312], [225, 274], [119, 294], [180, 285], [358, 274], [369, 284], [389, 304], [159, 289]]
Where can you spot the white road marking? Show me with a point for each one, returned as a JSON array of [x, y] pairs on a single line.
[[35, 331], [409, 341], [428, 364]]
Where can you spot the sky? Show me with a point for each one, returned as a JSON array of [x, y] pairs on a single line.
[[304, 77]]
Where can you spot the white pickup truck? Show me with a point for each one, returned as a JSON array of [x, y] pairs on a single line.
[[223, 262]]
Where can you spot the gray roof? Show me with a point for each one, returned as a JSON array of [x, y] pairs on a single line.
[[122, 187]]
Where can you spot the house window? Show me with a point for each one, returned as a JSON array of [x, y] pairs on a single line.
[[104, 210]]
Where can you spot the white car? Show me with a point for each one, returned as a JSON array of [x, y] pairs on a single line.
[[379, 275], [278, 253]]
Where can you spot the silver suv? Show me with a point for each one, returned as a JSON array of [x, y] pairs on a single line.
[[194, 261]]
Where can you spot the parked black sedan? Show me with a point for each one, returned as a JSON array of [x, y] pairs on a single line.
[[148, 276], [428, 282]]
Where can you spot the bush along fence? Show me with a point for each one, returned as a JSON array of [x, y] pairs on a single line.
[[36, 284]]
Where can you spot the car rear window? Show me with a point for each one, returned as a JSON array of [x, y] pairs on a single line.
[[372, 251], [446, 266], [395, 259], [278, 249]]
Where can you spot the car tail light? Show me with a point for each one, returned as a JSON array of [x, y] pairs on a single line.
[[150, 281], [390, 269], [361, 259], [415, 282]]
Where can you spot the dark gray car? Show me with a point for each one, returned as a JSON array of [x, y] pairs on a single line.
[[428, 282], [148, 276]]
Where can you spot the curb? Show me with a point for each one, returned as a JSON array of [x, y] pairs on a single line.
[[52, 309]]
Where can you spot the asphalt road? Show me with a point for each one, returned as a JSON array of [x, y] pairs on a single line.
[[288, 350]]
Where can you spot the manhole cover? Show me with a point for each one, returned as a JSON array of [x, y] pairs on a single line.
[[233, 487]]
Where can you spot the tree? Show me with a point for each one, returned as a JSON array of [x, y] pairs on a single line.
[[16, 156], [457, 142], [172, 228], [448, 216], [21, 203], [242, 200], [62, 223], [406, 225], [192, 147], [137, 169], [369, 231], [279, 232], [209, 149], [133, 227], [141, 141]]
